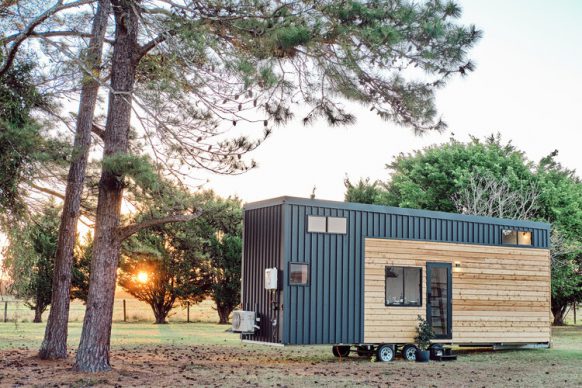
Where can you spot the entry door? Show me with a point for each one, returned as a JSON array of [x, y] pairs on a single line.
[[438, 295]]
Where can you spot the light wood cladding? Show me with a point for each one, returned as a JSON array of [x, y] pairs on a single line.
[[500, 294]]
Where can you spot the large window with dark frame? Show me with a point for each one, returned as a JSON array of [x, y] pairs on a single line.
[[403, 286]]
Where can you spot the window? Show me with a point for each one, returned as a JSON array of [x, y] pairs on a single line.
[[516, 237], [316, 224], [298, 274], [336, 225], [403, 286]]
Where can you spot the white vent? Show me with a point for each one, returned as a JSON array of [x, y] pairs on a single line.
[[244, 322]]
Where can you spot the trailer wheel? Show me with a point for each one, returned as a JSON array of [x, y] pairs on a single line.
[[340, 351], [409, 352], [365, 351], [385, 353]]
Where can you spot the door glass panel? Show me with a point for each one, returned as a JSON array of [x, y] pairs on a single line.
[[438, 300]]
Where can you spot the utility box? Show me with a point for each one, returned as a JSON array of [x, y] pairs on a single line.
[[244, 322], [271, 275]]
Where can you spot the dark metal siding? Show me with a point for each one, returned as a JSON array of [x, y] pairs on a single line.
[[330, 309], [262, 249]]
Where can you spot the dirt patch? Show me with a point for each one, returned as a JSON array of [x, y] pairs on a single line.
[[246, 365]]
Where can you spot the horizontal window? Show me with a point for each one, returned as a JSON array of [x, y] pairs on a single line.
[[298, 274], [516, 237], [403, 286], [335, 225]]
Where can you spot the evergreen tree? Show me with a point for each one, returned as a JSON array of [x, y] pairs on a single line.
[[220, 227], [30, 259]]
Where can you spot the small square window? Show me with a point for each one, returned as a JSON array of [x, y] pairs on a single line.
[[337, 225], [316, 224], [298, 274]]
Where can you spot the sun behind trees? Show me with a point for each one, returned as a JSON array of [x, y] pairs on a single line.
[[187, 262]]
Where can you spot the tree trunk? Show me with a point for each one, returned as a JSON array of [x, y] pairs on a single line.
[[559, 311], [223, 313], [93, 352], [54, 344], [38, 314]]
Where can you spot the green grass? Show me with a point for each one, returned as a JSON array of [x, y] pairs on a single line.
[[567, 341], [29, 335], [136, 311]]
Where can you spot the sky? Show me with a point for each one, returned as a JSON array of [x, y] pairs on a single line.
[[527, 86]]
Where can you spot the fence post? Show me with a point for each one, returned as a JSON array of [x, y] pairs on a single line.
[[124, 312], [5, 312], [188, 312]]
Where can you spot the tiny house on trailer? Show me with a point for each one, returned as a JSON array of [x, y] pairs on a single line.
[[357, 276]]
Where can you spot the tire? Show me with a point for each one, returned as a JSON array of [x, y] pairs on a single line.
[[385, 353], [409, 352], [435, 349], [363, 351], [340, 350]]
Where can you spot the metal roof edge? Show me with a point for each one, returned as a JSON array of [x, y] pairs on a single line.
[[395, 210]]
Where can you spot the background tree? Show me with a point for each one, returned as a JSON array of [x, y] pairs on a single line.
[[30, 259], [161, 267], [221, 228], [25, 144], [478, 178]]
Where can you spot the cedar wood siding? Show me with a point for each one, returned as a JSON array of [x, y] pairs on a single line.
[[500, 294]]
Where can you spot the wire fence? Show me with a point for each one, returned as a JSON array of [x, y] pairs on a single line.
[[124, 310]]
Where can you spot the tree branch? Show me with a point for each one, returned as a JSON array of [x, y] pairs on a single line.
[[148, 46], [29, 30], [49, 34], [129, 230], [99, 131]]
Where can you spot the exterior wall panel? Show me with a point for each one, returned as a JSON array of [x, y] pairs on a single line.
[[330, 308], [500, 294], [262, 249]]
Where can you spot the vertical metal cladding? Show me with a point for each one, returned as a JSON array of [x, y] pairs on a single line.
[[262, 249], [329, 310]]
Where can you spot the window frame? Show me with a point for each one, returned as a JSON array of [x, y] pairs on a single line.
[[517, 244], [306, 284], [420, 299], [326, 226]]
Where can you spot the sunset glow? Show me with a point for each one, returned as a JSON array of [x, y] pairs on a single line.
[[142, 277]]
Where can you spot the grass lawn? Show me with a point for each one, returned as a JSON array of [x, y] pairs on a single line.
[[206, 354]]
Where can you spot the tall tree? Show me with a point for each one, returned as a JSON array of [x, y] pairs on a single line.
[[201, 58], [54, 345]]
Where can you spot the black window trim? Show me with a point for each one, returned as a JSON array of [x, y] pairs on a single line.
[[308, 275], [419, 304]]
